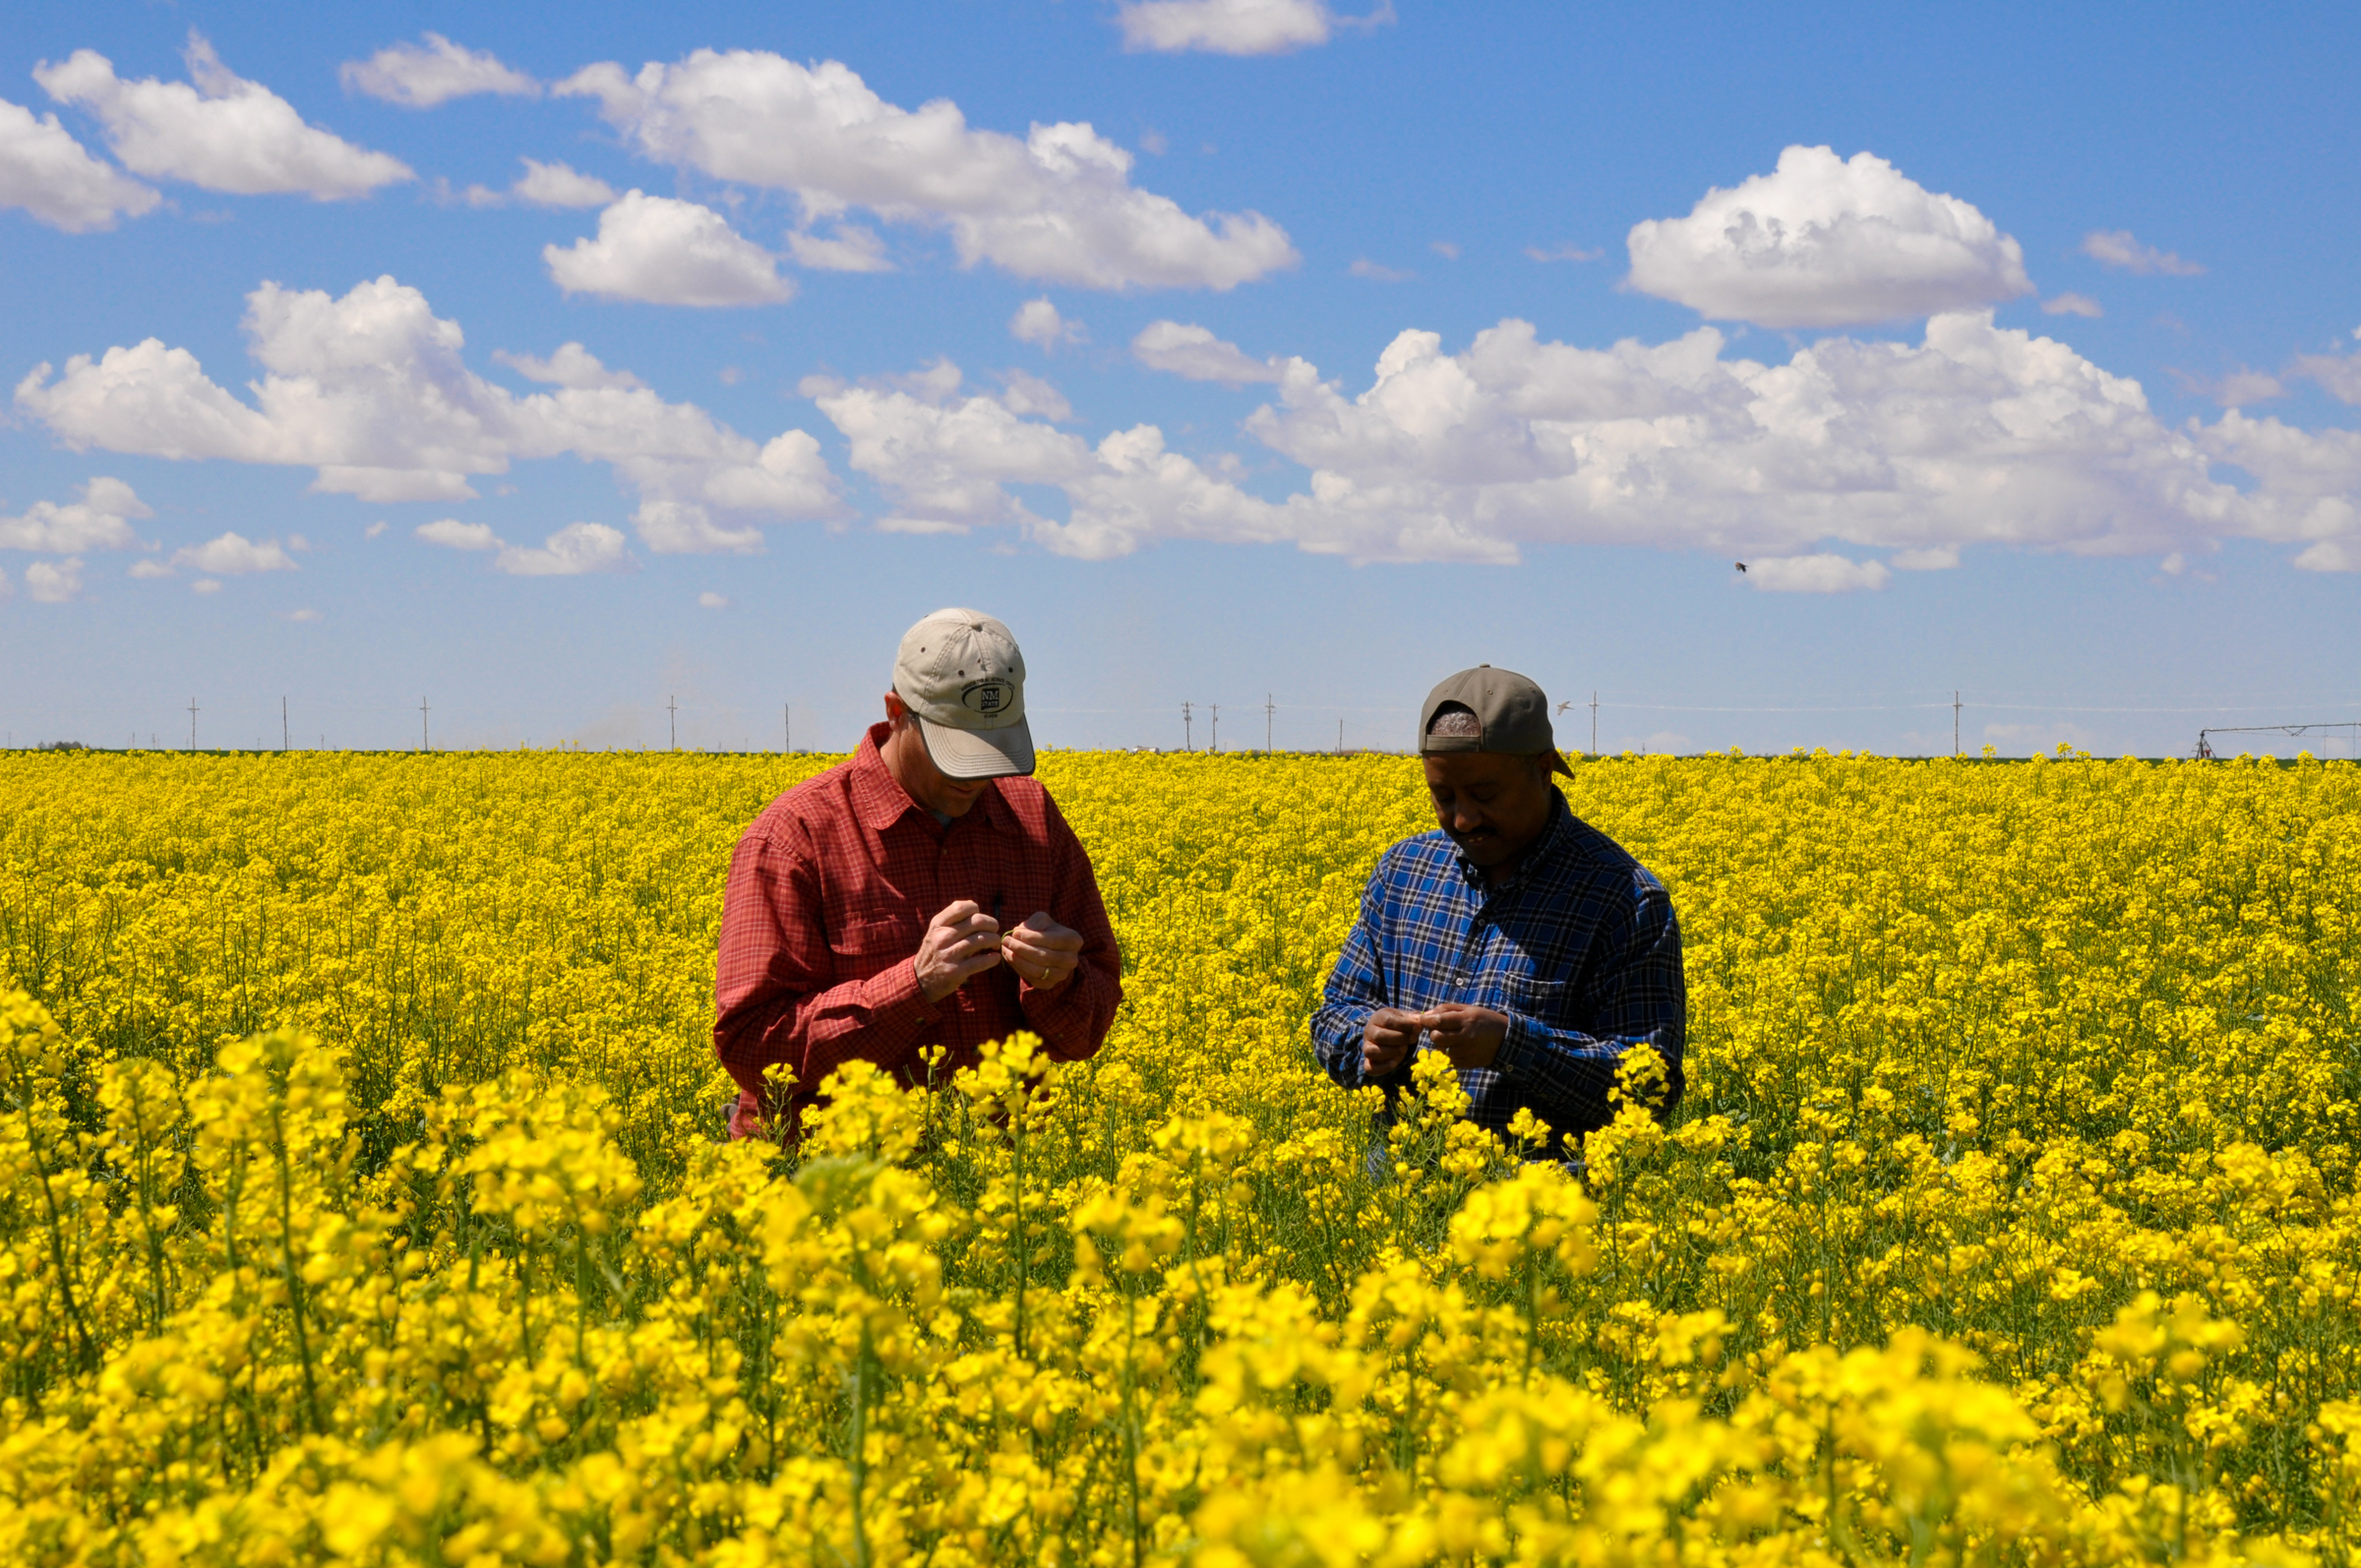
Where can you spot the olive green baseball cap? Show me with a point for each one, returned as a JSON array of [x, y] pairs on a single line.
[[962, 676], [1512, 716]]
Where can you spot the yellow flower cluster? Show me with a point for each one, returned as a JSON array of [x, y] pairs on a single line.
[[361, 1198]]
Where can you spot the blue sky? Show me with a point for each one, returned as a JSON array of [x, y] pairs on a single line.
[[2040, 383]]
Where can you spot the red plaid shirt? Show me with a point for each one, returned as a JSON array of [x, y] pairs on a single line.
[[829, 893]]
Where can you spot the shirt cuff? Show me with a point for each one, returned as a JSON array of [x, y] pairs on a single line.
[[894, 995], [1518, 1047]]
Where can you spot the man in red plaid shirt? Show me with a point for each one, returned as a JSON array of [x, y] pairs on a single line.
[[926, 892]]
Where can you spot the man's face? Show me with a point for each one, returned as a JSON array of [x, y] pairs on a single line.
[[931, 788], [1493, 807]]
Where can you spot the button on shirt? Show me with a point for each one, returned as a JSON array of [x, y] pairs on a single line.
[[829, 893], [1577, 945]]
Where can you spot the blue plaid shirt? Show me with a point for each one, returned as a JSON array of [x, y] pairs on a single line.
[[1578, 946]]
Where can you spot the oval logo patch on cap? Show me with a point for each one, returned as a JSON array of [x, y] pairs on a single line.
[[986, 696]]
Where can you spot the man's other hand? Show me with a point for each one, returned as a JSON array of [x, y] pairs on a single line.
[[1041, 951], [1470, 1036], [960, 944], [1386, 1038]]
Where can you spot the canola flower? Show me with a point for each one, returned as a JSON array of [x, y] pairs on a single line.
[[360, 1198]]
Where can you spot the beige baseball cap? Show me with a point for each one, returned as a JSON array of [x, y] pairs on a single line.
[[961, 674]]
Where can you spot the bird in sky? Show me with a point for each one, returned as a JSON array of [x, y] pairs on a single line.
[[1741, 566]]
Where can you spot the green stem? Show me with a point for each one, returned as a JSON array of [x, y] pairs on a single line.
[[293, 1276]]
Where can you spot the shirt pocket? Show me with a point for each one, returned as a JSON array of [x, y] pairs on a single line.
[[863, 947], [1545, 1001]]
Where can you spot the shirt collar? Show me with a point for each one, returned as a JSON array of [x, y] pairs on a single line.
[[879, 800]]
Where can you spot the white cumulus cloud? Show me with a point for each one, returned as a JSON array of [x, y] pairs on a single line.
[[686, 529], [571, 365], [1038, 321], [2072, 305], [945, 460], [2119, 249], [2338, 375], [452, 534], [218, 131], [1195, 353], [847, 248], [1057, 205], [572, 550], [663, 251], [1976, 436], [53, 581], [1820, 573], [709, 600], [233, 555], [1825, 241], [372, 391], [101, 521], [53, 177], [560, 185], [1234, 26], [419, 76]]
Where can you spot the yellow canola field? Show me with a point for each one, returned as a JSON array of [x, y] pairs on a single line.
[[360, 1200]]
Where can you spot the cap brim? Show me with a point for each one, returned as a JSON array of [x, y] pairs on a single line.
[[1005, 752]]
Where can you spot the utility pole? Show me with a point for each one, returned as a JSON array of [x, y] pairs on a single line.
[[1267, 711], [1340, 736], [282, 723], [1955, 723], [1594, 724], [787, 727], [1217, 725], [192, 724], [672, 708], [424, 745], [1188, 736]]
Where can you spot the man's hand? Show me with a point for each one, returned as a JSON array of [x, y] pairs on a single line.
[[1386, 1038], [1041, 951], [960, 944], [1470, 1036]]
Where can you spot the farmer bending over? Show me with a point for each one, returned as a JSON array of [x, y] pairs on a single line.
[[1518, 941], [926, 892]]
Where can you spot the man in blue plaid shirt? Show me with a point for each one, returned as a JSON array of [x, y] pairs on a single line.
[[1517, 940]]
